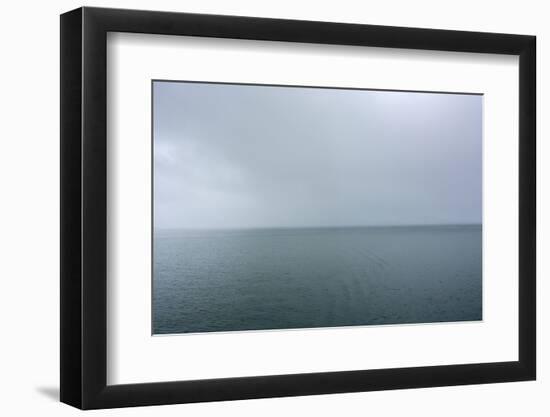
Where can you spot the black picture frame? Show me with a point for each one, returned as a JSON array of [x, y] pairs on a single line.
[[84, 208]]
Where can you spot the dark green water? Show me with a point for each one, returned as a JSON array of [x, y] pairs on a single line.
[[230, 280]]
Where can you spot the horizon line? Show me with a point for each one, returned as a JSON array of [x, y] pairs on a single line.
[[316, 227]]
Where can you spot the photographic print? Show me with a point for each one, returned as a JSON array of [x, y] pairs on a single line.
[[390, 202], [292, 207]]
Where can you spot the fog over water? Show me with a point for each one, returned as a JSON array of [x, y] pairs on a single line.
[[283, 171], [238, 156]]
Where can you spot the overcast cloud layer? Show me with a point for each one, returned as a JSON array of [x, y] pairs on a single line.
[[229, 156]]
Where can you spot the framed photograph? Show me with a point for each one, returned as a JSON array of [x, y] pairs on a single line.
[[257, 208]]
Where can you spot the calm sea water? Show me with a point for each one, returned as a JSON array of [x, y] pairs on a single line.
[[229, 280]]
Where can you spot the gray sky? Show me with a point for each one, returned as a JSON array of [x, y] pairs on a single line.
[[228, 156]]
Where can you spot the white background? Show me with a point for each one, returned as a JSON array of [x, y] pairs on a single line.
[[29, 222], [134, 356]]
